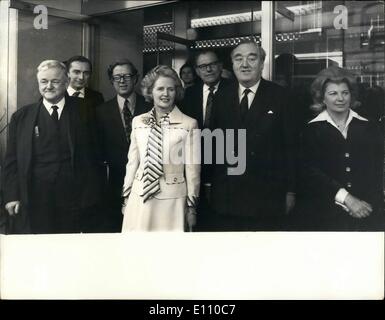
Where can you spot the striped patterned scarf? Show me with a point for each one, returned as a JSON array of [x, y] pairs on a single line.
[[153, 165]]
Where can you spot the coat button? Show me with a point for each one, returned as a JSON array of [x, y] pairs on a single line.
[[347, 169], [252, 153], [347, 155], [349, 185]]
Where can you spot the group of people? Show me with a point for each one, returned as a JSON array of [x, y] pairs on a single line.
[[75, 163]]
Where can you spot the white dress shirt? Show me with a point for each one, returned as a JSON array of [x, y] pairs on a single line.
[[251, 95], [206, 91], [60, 105], [131, 104], [71, 91]]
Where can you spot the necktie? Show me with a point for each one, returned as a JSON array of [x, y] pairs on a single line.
[[244, 106], [76, 94], [55, 114], [127, 116], [209, 106], [153, 164]]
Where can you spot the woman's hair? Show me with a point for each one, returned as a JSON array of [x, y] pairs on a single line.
[[332, 75], [187, 65], [148, 81]]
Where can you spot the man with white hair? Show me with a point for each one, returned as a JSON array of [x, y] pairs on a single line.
[[49, 175]]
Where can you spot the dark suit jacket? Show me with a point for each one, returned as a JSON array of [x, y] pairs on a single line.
[[91, 97], [94, 98], [18, 159], [112, 138], [192, 104], [325, 156], [270, 161]]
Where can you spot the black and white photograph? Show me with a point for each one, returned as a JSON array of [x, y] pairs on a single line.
[[192, 150]]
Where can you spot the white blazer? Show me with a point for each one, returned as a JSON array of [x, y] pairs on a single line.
[[181, 157]]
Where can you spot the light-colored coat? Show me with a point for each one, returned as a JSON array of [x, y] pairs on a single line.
[[181, 157]]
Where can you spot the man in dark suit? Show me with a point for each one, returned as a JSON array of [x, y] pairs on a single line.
[[197, 103], [258, 198], [79, 70], [113, 119], [79, 73], [49, 175]]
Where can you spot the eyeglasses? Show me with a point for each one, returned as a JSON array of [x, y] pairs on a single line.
[[203, 67], [125, 77]]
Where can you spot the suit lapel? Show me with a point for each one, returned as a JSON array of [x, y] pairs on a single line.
[[199, 106], [117, 119], [259, 105], [72, 125], [26, 136], [234, 114], [140, 105]]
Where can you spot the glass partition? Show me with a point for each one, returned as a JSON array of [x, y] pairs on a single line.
[[313, 35]]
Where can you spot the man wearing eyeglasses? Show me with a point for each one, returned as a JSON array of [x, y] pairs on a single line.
[[259, 198], [113, 121], [198, 103]]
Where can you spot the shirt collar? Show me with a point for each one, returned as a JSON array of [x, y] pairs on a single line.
[[253, 89], [207, 88], [48, 105], [131, 99], [71, 91], [324, 116], [175, 116]]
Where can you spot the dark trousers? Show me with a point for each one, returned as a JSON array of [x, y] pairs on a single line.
[[113, 217], [204, 212], [55, 203]]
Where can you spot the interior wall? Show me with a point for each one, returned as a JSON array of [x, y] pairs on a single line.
[[118, 36], [60, 41], [72, 5]]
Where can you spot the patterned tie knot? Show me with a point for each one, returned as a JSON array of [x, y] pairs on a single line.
[[76, 94], [212, 89], [55, 108]]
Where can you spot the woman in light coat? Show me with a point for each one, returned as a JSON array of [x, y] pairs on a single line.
[[161, 186]]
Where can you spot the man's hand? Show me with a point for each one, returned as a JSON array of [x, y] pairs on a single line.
[[357, 208], [191, 218], [13, 207]]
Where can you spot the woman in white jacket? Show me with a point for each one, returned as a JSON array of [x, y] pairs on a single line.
[[161, 186]]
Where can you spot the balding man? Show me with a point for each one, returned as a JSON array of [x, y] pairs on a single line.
[[49, 174]]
